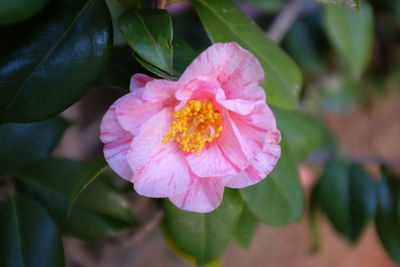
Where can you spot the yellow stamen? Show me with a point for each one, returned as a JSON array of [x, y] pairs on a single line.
[[195, 125]]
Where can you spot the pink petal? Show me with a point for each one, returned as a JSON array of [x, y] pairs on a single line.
[[262, 139], [160, 170], [204, 195], [211, 162], [139, 81], [240, 106], [117, 143], [162, 91], [262, 164], [237, 70], [132, 112]]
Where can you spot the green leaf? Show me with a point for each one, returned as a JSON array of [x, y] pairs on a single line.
[[22, 143], [224, 22], [245, 228], [351, 34], [300, 43], [204, 235], [386, 220], [13, 11], [55, 61], [347, 195], [118, 73], [149, 33], [87, 176], [183, 56], [154, 69], [28, 235], [354, 4], [270, 6], [304, 133], [279, 198], [99, 211]]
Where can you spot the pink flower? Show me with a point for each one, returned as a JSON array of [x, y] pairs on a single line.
[[188, 139]]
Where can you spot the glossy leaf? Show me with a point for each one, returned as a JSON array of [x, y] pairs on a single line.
[[22, 143], [204, 235], [304, 133], [99, 211], [245, 228], [28, 235], [347, 195], [149, 33], [55, 59], [88, 175], [224, 22], [12, 11], [279, 198], [351, 34], [354, 4], [386, 220], [183, 56]]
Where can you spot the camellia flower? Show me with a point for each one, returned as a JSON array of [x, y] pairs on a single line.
[[188, 139]]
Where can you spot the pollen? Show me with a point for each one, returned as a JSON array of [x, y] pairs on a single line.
[[195, 125]]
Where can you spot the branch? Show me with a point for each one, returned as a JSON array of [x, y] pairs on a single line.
[[284, 20]]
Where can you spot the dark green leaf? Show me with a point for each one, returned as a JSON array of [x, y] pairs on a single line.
[[22, 143], [278, 199], [149, 33], [224, 22], [347, 195], [183, 56], [304, 133], [87, 176], [28, 235], [354, 4], [55, 59], [12, 11], [118, 73], [351, 34], [245, 228], [99, 211], [154, 69], [387, 220], [204, 235]]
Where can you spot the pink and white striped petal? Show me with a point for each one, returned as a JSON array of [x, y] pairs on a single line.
[[117, 144], [203, 195], [160, 168]]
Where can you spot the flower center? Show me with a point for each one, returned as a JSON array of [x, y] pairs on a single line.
[[195, 125]]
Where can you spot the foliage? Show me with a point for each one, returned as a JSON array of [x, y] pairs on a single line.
[[55, 51]]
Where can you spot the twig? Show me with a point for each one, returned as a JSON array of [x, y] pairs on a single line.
[[147, 228], [129, 238], [284, 20]]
